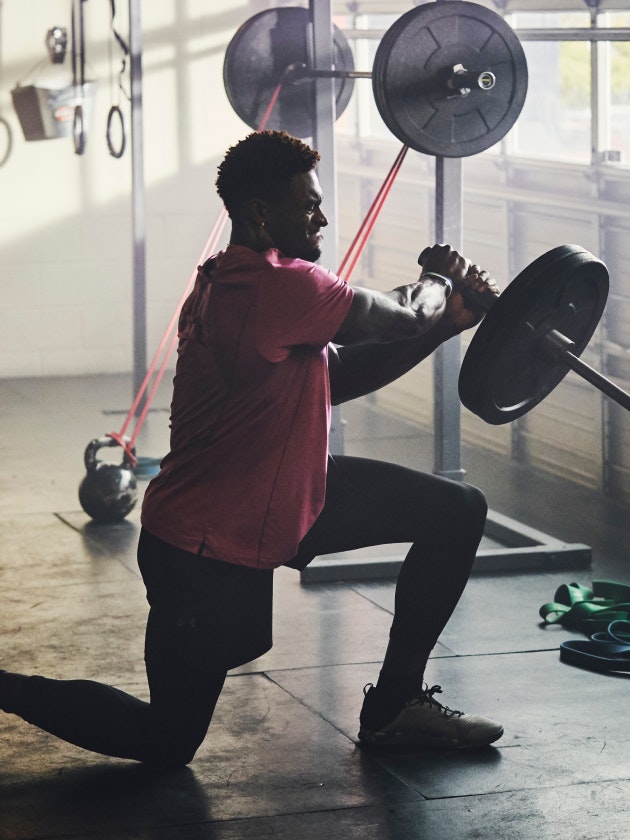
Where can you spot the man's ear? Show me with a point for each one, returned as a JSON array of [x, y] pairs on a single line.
[[257, 211]]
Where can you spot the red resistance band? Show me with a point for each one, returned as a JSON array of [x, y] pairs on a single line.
[[169, 342], [363, 234], [128, 443]]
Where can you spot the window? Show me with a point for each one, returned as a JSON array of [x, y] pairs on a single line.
[[556, 120], [363, 119], [620, 88]]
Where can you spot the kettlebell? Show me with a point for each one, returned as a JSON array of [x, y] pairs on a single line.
[[109, 491]]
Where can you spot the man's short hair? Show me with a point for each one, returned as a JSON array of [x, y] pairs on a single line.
[[261, 166]]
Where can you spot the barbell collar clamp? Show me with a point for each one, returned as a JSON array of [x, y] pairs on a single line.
[[462, 81], [556, 345]]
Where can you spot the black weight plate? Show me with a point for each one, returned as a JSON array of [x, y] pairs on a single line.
[[506, 371], [416, 57], [256, 58]]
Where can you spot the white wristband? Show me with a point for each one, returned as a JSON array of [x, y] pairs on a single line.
[[445, 281]]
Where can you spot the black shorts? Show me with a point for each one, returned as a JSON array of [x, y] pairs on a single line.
[[219, 615], [215, 615]]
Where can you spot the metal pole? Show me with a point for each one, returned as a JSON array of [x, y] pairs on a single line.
[[324, 142], [323, 138], [581, 33], [600, 97], [138, 201], [82, 44], [446, 359], [576, 34]]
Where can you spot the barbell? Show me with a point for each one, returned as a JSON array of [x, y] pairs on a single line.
[[448, 78], [534, 333]]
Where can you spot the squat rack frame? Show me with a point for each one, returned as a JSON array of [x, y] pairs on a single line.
[[511, 545]]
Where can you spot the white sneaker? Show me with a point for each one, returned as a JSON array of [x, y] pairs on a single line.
[[425, 722]]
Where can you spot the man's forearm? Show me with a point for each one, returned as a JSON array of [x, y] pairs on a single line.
[[407, 311], [361, 369]]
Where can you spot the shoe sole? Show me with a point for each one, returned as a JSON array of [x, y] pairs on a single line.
[[409, 739]]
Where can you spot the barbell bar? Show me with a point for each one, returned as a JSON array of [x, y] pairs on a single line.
[[460, 82], [448, 79], [533, 334]]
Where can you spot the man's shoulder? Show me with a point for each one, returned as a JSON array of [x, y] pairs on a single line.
[[273, 273], [294, 268]]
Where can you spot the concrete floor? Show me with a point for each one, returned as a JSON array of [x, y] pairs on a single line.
[[281, 759]]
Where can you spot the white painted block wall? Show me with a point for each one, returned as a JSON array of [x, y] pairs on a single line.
[[65, 220]]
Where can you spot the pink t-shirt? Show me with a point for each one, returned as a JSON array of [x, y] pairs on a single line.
[[245, 478]]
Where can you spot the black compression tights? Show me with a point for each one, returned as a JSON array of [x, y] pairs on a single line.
[[104, 719], [373, 503], [367, 503]]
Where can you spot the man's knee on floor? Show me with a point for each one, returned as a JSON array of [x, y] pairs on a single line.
[[173, 742], [171, 752]]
